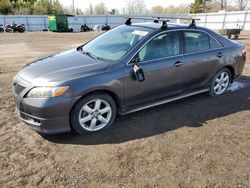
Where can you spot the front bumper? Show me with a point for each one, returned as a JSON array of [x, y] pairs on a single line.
[[47, 116], [46, 126]]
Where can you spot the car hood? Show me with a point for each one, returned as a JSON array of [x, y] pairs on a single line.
[[61, 67]]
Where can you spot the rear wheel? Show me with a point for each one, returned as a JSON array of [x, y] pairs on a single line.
[[220, 82], [21, 29], [236, 36], [93, 113]]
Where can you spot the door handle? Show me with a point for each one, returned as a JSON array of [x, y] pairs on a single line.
[[178, 63], [219, 55]]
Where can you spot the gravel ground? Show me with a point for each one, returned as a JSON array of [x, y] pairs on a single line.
[[199, 141]]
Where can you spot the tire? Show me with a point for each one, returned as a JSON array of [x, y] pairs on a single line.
[[96, 112], [229, 36], [1, 30], [220, 82], [9, 30], [21, 29]]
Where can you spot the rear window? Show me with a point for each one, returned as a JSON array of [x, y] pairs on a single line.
[[196, 41], [214, 43]]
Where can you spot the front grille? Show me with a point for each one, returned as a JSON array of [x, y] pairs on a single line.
[[18, 88]]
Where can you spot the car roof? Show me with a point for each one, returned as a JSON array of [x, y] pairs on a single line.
[[157, 26]]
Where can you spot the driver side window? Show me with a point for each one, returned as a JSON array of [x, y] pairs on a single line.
[[164, 45]]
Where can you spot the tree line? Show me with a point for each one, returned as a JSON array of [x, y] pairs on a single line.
[[40, 7], [202, 6], [30, 7]]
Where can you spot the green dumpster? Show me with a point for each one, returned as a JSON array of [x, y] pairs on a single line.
[[59, 23]]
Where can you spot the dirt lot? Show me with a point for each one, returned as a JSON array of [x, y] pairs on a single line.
[[196, 142]]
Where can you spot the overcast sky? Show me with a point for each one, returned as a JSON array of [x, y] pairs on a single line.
[[119, 4]]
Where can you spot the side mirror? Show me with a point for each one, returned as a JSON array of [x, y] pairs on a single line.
[[138, 71]]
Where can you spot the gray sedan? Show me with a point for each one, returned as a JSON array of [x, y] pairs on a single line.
[[129, 68]]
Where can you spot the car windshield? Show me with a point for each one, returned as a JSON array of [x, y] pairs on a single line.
[[114, 44]]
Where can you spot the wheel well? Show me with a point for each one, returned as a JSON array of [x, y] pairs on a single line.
[[110, 93], [231, 69]]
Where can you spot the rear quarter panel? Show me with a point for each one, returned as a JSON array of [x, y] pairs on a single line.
[[237, 59], [231, 51]]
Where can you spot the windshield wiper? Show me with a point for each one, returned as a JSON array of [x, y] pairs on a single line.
[[90, 54]]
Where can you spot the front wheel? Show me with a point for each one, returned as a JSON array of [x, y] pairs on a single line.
[[220, 82], [93, 113]]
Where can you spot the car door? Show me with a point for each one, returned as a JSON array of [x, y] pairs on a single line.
[[202, 57], [160, 60]]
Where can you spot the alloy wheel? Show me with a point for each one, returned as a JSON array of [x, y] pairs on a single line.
[[221, 83], [95, 114]]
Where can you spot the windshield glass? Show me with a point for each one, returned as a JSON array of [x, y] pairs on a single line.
[[115, 43]]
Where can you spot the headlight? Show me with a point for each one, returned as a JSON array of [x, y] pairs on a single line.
[[46, 92]]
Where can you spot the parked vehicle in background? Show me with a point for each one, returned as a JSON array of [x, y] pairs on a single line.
[[129, 68], [97, 28], [10, 28], [85, 28], [20, 28], [1, 28], [230, 32], [105, 27]]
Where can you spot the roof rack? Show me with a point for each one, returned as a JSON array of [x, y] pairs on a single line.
[[155, 20], [191, 25], [163, 19]]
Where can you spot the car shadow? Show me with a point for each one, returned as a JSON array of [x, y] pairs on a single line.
[[241, 38], [190, 112]]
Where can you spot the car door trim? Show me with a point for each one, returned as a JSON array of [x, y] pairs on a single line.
[[164, 101]]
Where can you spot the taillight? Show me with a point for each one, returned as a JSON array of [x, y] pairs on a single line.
[[243, 52]]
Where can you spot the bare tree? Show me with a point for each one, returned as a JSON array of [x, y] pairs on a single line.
[[242, 4], [135, 7], [222, 3], [79, 11], [157, 9], [114, 11], [90, 9], [100, 9]]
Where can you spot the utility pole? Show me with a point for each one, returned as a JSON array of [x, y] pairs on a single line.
[[73, 7]]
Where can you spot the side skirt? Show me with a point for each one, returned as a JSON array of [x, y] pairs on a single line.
[[164, 101]]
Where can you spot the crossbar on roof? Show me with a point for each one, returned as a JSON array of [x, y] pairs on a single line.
[[163, 19]]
